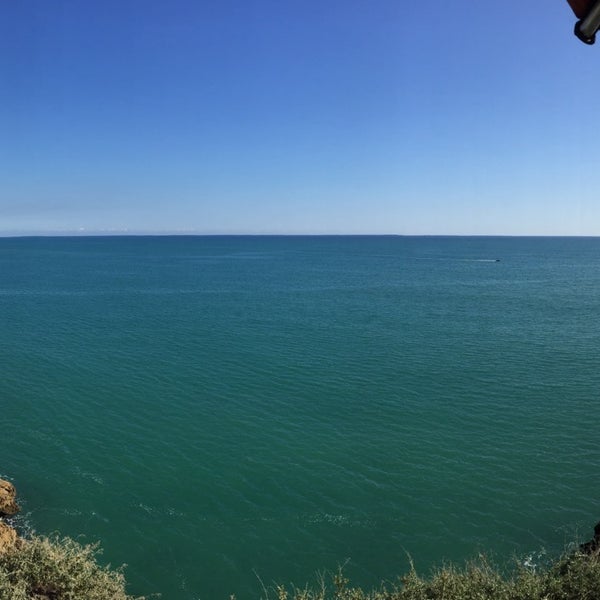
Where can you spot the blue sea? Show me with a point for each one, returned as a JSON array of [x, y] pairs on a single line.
[[224, 413]]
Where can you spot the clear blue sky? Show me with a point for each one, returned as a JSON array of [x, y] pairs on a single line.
[[297, 117]]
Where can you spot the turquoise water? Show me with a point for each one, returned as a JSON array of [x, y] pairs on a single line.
[[219, 411]]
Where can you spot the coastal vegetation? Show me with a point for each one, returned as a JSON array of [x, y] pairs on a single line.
[[62, 569], [574, 576], [42, 568]]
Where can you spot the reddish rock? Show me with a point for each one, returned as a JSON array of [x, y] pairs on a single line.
[[8, 504], [8, 537]]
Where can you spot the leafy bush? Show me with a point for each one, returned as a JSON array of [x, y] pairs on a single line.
[[58, 569]]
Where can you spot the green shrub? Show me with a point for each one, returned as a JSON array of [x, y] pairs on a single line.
[[576, 576], [62, 569], [572, 577], [58, 569]]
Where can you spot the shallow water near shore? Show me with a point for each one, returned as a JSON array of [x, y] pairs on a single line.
[[219, 411]]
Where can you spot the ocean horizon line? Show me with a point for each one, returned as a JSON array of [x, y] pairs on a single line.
[[101, 234]]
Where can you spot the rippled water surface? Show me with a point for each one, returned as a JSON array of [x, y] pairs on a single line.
[[223, 410]]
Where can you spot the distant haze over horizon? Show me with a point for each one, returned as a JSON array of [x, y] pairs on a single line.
[[296, 119]]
